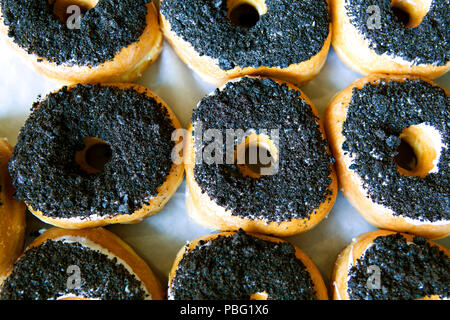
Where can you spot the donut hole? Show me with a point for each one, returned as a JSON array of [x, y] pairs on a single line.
[[419, 151], [245, 14], [98, 156], [257, 156], [406, 157], [410, 12], [95, 155], [255, 159], [64, 9], [402, 15]]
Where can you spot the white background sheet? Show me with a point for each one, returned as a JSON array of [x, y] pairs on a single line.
[[159, 238]]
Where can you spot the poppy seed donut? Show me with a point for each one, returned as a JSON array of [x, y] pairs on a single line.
[[92, 155], [393, 36], [111, 41], [237, 266], [226, 39], [80, 265], [390, 136], [384, 265], [298, 186]]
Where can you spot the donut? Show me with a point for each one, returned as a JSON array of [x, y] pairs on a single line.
[[393, 36], [289, 184], [241, 266], [385, 265], [226, 39], [92, 155], [12, 215], [90, 264], [84, 41], [390, 136]]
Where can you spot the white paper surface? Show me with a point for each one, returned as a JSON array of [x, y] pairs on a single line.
[[159, 238]]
